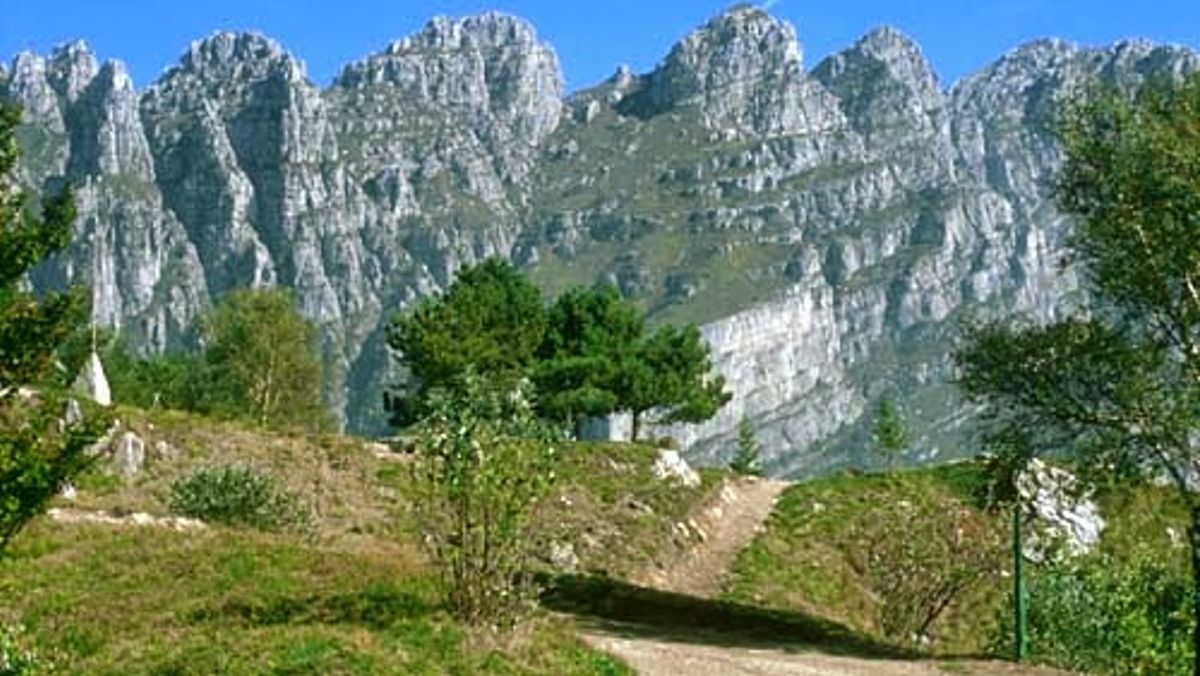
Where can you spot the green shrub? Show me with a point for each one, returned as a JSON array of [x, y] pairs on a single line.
[[1098, 615], [238, 496], [484, 462], [17, 659]]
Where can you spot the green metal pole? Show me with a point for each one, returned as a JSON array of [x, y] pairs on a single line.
[[1019, 625]]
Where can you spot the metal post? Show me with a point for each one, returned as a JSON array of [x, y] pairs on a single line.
[[1019, 625]]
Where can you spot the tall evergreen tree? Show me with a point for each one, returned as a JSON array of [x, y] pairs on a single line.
[[591, 334], [746, 456], [890, 435], [490, 320]]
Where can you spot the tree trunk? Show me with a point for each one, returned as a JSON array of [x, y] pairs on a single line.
[[637, 424], [1194, 541]]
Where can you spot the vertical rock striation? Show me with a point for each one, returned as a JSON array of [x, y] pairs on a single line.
[[829, 227]]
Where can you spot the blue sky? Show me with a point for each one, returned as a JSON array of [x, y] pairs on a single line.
[[591, 38]]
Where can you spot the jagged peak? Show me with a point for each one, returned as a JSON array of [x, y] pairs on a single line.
[[114, 75], [888, 42], [898, 53], [26, 64], [74, 50], [742, 24], [623, 78], [1041, 51], [490, 29], [742, 44], [71, 68], [222, 51], [498, 37]]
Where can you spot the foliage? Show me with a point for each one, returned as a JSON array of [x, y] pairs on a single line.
[[899, 557], [16, 657], [490, 320], [238, 496], [945, 551], [484, 462], [239, 601], [1094, 614], [591, 335], [157, 381], [746, 457], [889, 435], [587, 355], [1122, 384], [261, 362], [672, 374], [37, 454]]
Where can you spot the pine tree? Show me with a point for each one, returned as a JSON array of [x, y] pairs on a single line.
[[890, 435], [746, 458]]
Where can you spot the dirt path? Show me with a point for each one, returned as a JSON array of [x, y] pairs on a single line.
[[694, 579], [649, 656], [723, 528]]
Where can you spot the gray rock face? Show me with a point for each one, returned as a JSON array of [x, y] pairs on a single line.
[[744, 72], [827, 227]]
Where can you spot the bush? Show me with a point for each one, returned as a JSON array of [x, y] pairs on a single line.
[[1097, 615], [16, 659], [238, 496], [483, 463]]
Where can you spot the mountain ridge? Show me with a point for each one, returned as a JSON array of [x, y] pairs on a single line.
[[828, 226]]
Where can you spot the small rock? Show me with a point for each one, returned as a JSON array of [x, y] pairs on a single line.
[[129, 454], [639, 506], [72, 413], [68, 491], [670, 465], [165, 451], [563, 557]]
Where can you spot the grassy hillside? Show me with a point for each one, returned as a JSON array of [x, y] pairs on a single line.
[[353, 596], [833, 546]]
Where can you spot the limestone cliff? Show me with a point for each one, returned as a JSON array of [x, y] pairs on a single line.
[[829, 227]]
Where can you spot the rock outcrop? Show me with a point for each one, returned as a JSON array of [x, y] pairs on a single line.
[[828, 227]]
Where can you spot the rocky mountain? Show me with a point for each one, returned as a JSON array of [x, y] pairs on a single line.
[[829, 226]]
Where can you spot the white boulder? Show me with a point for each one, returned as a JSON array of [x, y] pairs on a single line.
[[671, 466]]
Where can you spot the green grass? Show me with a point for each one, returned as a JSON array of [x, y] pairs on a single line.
[[815, 553], [810, 559], [356, 596], [618, 521], [224, 601]]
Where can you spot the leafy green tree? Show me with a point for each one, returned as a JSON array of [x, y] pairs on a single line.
[[890, 435], [591, 334], [491, 320], [746, 458], [261, 362], [37, 454], [671, 372], [1122, 383], [483, 464]]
